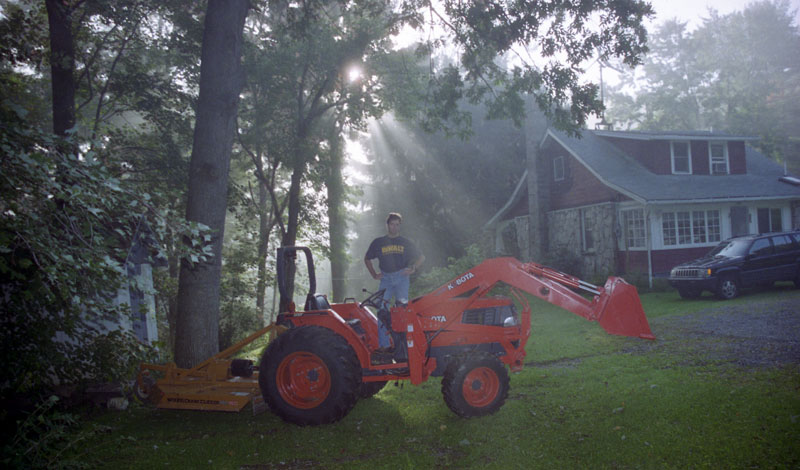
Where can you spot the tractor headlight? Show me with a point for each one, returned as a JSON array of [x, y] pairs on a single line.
[[510, 321]]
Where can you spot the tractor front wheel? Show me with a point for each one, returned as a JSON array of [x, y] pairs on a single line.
[[310, 375], [475, 384]]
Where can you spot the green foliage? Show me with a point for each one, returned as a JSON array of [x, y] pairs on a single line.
[[45, 439], [67, 227], [736, 73], [566, 35], [238, 315], [438, 276]]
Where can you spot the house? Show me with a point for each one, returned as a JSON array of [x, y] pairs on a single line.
[[640, 202]]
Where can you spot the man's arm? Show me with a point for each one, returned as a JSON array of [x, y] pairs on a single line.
[[415, 265], [371, 269]]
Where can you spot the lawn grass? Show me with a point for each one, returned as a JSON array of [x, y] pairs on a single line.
[[584, 400]]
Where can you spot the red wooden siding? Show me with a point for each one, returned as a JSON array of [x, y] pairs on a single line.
[[653, 155], [700, 164], [579, 186], [656, 155], [736, 159]]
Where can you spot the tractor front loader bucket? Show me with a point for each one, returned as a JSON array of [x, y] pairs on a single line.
[[619, 310]]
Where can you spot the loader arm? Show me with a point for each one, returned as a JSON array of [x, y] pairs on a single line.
[[615, 306]]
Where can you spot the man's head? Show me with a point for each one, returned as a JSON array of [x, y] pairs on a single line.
[[393, 224]]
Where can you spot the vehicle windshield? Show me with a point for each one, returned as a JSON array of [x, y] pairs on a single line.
[[730, 248]]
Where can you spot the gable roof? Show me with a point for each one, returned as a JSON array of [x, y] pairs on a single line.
[[519, 190], [672, 135], [624, 174]]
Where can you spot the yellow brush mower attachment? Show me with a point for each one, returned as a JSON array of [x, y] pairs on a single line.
[[216, 384]]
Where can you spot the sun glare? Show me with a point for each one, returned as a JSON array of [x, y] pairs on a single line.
[[354, 74]]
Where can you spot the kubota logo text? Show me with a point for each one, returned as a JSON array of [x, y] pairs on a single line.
[[461, 280]]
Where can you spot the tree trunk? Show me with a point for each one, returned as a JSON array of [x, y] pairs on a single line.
[[172, 300], [336, 219], [264, 228], [221, 80], [62, 65], [290, 236]]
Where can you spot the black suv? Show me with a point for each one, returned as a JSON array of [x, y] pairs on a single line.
[[740, 262]]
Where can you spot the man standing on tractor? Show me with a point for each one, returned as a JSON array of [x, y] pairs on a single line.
[[398, 258]]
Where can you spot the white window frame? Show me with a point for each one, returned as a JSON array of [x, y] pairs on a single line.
[[688, 225], [558, 168], [724, 159], [771, 212], [688, 156], [632, 240]]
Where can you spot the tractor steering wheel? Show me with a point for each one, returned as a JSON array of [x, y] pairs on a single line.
[[373, 299]]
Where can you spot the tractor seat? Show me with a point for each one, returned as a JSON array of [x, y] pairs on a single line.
[[316, 302]]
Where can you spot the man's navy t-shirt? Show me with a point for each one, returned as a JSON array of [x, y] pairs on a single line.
[[393, 254]]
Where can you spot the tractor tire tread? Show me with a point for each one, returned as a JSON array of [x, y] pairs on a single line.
[[456, 372], [339, 358]]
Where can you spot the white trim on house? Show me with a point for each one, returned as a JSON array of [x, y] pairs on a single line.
[[559, 168], [725, 157], [643, 135], [721, 200], [688, 157], [725, 227], [522, 184]]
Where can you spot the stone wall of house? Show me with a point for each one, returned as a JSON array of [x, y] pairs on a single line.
[[511, 239], [566, 252]]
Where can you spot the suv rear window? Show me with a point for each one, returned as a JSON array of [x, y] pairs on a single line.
[[782, 243]]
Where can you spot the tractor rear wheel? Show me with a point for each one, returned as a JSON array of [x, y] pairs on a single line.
[[475, 384], [310, 375]]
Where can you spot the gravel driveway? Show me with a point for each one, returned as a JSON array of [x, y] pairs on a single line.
[[764, 333]]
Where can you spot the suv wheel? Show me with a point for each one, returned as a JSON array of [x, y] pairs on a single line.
[[728, 287]]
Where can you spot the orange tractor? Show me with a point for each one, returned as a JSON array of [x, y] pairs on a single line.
[[325, 358]]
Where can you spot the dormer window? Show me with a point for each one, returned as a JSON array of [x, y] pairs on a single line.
[[558, 169], [681, 158], [718, 158]]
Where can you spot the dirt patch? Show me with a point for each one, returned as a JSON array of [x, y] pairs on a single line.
[[756, 334]]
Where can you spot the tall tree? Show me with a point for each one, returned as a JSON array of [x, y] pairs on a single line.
[[221, 80], [71, 212], [546, 46], [737, 73], [322, 44], [62, 63], [336, 211]]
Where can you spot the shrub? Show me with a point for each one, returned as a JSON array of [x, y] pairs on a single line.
[[66, 228]]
